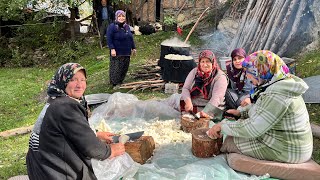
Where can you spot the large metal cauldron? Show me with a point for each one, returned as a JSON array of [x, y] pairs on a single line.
[[171, 49], [176, 69]]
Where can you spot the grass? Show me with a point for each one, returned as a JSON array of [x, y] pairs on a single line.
[[22, 92]]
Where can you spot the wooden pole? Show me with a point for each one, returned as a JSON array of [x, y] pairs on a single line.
[[97, 25], [195, 25]]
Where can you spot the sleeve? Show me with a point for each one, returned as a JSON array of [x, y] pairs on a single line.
[[219, 90], [263, 115], [133, 46], [110, 34], [185, 94], [75, 127]]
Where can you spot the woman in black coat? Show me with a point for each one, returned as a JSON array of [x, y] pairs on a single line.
[[62, 143]]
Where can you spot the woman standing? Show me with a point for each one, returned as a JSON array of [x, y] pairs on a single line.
[[239, 86], [121, 45], [204, 88], [62, 143], [276, 126]]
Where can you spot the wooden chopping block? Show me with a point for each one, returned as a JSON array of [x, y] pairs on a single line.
[[188, 124], [141, 149], [203, 146]]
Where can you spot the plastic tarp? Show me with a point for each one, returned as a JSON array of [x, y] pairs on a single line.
[[312, 95], [172, 158]]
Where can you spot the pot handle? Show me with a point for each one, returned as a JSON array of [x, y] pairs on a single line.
[[176, 67]]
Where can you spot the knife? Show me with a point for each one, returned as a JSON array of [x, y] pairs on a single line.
[[133, 136], [197, 116]]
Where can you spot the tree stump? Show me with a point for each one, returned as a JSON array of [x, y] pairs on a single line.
[[141, 149], [188, 124], [203, 146]]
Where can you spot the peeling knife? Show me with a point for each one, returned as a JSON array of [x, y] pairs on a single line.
[[194, 115], [133, 136]]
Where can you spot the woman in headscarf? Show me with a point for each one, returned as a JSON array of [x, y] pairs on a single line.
[[276, 126], [121, 45], [204, 88], [62, 143], [239, 86]]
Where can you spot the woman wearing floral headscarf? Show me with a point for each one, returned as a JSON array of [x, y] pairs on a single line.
[[121, 45], [276, 126], [204, 88], [239, 86], [62, 143]]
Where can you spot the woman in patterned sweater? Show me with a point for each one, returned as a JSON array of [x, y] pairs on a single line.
[[276, 126]]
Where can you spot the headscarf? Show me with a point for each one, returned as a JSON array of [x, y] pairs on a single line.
[[265, 65], [203, 80], [58, 83], [118, 24], [237, 75]]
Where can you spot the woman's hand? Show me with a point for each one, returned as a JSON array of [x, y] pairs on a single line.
[[188, 105], [204, 115], [245, 102], [105, 136], [113, 52], [117, 149], [134, 52], [215, 131], [234, 112]]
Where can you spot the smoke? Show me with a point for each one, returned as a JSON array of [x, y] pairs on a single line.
[[175, 42]]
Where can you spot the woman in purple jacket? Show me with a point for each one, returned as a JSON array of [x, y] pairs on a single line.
[[121, 45]]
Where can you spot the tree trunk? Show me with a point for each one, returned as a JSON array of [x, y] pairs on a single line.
[[72, 23], [282, 26]]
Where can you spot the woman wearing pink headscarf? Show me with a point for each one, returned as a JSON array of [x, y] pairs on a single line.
[[276, 126], [205, 87]]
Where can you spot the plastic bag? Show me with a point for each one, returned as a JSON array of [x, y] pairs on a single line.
[[118, 167]]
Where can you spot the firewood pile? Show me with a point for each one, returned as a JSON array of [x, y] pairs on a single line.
[[149, 76]]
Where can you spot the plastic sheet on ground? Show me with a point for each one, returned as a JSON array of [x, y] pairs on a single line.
[[312, 95], [172, 158]]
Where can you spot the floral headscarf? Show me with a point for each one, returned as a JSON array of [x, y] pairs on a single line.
[[203, 80], [237, 75], [61, 78], [266, 65]]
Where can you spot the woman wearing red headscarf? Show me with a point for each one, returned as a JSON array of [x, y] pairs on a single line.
[[205, 87]]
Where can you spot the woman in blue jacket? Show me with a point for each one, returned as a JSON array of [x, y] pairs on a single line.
[[121, 45]]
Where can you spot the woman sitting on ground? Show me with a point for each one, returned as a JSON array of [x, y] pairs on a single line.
[[239, 86], [204, 88], [62, 143], [276, 125]]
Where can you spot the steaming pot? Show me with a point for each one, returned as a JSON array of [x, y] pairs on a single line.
[[174, 49]]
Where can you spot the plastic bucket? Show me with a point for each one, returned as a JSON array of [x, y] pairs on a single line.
[[224, 61]]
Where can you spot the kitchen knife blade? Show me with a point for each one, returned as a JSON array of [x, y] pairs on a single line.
[[133, 136]]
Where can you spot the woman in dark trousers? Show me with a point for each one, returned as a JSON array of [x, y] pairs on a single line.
[[121, 45]]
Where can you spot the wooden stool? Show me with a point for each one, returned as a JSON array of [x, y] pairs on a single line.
[[141, 149], [203, 146], [188, 124]]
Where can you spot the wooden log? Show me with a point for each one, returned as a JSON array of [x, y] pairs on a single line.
[[188, 124], [141, 149], [203, 146], [17, 131]]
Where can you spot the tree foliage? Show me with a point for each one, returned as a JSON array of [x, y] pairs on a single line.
[[11, 9]]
